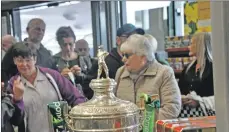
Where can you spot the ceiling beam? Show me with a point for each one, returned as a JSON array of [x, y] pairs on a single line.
[[9, 5]]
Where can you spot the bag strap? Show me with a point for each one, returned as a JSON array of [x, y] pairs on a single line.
[[53, 82], [119, 79]]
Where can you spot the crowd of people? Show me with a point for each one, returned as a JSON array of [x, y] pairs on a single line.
[[32, 77]]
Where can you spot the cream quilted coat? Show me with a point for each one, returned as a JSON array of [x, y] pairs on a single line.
[[157, 79]]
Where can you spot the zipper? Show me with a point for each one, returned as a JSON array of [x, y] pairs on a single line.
[[135, 90]]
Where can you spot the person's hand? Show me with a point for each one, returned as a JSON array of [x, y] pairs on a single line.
[[18, 89], [76, 70], [184, 99], [65, 72], [190, 102]]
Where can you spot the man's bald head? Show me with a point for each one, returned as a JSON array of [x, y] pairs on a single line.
[[7, 42], [82, 47], [35, 21], [36, 29]]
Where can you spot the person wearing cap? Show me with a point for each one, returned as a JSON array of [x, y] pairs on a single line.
[[114, 59], [142, 73]]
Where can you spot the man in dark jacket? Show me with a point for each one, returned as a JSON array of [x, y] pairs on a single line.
[[35, 29], [114, 59]]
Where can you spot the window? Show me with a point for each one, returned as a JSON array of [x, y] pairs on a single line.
[[75, 14]]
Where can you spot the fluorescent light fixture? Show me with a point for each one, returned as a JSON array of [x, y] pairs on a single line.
[[64, 4], [74, 2], [69, 3], [40, 8]]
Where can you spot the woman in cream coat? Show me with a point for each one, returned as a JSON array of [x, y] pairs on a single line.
[[143, 74]]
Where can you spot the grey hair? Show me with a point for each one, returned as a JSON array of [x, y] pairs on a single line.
[[152, 41], [203, 50], [139, 45]]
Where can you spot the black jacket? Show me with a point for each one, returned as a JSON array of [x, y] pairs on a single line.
[[191, 81], [114, 62], [10, 114]]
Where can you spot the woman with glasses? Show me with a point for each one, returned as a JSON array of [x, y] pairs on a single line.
[[142, 73], [38, 86]]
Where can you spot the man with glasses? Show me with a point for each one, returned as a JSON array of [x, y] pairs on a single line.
[[82, 48]]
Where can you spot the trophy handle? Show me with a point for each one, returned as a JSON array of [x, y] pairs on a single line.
[[68, 121]]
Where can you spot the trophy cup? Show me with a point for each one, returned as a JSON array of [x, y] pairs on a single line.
[[104, 112]]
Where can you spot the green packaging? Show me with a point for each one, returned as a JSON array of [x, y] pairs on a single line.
[[152, 104], [56, 112]]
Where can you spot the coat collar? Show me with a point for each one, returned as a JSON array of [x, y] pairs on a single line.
[[151, 70]]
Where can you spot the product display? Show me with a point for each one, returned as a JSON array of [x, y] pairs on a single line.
[[104, 112], [177, 42], [178, 63], [199, 124]]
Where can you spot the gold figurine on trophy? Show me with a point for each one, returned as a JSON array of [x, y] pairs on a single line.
[[101, 62]]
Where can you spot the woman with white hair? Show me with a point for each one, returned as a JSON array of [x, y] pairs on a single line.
[[143, 74], [196, 81], [154, 43]]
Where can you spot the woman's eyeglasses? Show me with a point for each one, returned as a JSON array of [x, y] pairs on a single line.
[[22, 60], [127, 55]]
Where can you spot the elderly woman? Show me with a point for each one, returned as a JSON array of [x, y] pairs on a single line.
[[37, 87], [143, 74], [196, 81]]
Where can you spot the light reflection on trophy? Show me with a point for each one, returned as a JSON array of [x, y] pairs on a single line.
[[104, 112]]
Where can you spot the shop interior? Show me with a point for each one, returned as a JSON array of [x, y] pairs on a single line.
[[172, 23]]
